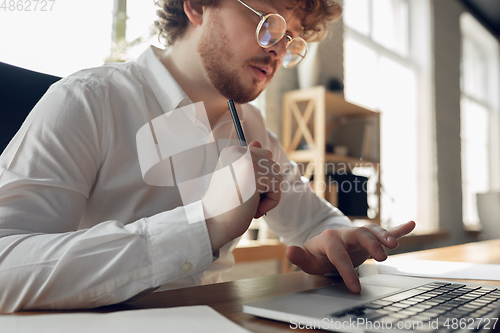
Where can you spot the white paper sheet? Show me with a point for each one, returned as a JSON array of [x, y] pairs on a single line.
[[439, 269], [181, 319]]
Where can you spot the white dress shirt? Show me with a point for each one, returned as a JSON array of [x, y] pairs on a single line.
[[80, 227]]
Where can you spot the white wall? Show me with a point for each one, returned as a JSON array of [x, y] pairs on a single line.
[[446, 66]]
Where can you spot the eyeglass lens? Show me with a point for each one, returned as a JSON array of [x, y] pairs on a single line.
[[272, 30], [295, 52]]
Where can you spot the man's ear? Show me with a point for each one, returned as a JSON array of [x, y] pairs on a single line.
[[193, 12]]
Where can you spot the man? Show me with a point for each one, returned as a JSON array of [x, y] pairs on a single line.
[[86, 219]]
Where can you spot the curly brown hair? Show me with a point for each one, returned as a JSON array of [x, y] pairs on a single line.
[[172, 21]]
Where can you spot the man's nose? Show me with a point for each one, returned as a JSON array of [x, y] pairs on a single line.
[[278, 50]]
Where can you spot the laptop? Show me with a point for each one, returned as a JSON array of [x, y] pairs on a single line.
[[387, 303]]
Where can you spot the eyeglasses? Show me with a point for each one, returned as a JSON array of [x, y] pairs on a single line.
[[271, 30]]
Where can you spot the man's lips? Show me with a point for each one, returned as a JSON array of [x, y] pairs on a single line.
[[265, 69], [262, 71]]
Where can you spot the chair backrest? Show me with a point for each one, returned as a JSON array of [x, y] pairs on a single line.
[[20, 90], [488, 209]]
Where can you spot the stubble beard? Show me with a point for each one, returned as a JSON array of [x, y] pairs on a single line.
[[217, 57]]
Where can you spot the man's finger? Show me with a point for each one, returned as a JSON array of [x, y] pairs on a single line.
[[339, 257], [403, 229], [368, 240], [266, 167], [268, 201], [255, 144], [269, 189], [308, 262], [383, 236], [299, 257]]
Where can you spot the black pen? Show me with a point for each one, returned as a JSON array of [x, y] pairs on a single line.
[[237, 124]]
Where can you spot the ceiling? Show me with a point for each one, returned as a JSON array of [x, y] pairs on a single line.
[[487, 12]]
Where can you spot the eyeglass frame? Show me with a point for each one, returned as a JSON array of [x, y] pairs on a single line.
[[289, 39]]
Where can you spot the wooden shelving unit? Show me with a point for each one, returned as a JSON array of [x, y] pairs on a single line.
[[308, 117]]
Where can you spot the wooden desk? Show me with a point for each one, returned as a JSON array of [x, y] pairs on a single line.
[[227, 297]]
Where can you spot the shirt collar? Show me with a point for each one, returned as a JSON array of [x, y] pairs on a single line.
[[168, 92]]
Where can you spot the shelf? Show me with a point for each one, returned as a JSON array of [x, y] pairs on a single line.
[[309, 155], [334, 103], [309, 116]]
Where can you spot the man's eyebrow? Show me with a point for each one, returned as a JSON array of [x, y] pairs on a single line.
[[297, 30], [264, 8]]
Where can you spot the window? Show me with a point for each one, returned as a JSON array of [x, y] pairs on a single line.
[[139, 30], [387, 69], [63, 39], [479, 115], [386, 22], [67, 37]]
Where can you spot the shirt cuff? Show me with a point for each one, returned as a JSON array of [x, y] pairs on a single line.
[[179, 246], [194, 212]]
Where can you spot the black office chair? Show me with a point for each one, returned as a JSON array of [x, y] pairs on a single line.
[[20, 90]]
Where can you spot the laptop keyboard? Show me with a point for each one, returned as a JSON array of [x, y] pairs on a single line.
[[445, 304]]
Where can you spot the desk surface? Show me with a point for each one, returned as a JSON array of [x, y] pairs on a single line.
[[227, 298]]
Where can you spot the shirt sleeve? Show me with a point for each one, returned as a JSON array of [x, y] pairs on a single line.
[[46, 175], [312, 214]]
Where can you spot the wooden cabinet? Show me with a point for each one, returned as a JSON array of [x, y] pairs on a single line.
[[315, 120]]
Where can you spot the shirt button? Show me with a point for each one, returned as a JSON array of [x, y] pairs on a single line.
[[187, 267]]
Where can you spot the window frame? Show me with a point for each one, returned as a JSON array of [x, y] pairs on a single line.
[[417, 59], [473, 32]]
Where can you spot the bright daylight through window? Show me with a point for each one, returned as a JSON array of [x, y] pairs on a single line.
[[60, 40], [68, 38], [479, 115], [386, 68]]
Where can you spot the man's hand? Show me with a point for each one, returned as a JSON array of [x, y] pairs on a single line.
[[260, 177], [340, 250]]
